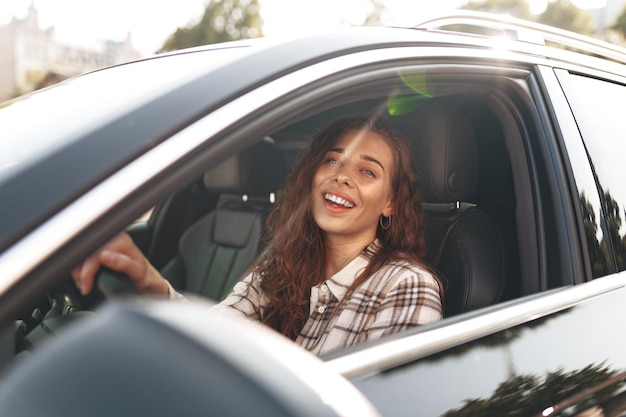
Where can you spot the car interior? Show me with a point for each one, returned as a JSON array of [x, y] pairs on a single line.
[[470, 160], [468, 197]]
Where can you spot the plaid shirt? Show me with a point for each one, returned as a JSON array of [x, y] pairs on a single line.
[[396, 297]]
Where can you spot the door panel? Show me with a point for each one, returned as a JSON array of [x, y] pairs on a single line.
[[572, 360]]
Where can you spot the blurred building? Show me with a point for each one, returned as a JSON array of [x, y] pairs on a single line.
[[30, 57]]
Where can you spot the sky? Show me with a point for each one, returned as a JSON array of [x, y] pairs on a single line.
[[150, 22]]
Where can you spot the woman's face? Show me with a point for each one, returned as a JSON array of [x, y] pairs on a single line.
[[352, 186]]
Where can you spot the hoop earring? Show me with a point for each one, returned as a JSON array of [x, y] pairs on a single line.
[[385, 222]]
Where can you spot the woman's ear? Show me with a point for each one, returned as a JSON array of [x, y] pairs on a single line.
[[389, 209]]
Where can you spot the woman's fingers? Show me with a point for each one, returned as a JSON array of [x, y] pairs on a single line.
[[84, 274], [133, 268], [122, 255]]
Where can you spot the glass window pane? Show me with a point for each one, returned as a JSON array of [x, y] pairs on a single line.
[[598, 109]]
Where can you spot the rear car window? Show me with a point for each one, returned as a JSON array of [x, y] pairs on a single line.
[[598, 109]]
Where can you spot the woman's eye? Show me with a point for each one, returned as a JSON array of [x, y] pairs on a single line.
[[332, 161], [369, 173]]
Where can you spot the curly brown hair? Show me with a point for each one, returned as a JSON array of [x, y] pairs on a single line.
[[294, 259]]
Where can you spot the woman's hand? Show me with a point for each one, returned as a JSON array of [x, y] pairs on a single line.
[[122, 255]]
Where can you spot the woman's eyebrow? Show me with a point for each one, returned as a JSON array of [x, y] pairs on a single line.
[[374, 160], [363, 157]]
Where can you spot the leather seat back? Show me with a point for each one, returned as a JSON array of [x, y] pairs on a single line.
[[464, 243], [215, 252]]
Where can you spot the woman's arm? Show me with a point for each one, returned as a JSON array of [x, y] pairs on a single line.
[[245, 300], [413, 301]]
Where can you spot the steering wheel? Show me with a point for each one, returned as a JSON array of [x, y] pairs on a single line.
[[66, 305], [112, 284]]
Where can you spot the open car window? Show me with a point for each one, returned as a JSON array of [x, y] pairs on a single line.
[[481, 221], [217, 214]]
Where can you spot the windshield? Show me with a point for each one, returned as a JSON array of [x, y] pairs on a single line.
[[39, 123]]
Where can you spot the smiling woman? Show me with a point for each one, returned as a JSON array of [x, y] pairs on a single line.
[[355, 276], [325, 261], [356, 188]]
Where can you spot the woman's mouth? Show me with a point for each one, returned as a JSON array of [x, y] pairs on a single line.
[[338, 201]]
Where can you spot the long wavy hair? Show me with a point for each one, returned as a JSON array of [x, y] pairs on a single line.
[[294, 259]]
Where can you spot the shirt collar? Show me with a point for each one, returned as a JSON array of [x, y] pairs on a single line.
[[339, 283]]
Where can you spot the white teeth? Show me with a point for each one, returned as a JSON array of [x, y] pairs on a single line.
[[338, 200]]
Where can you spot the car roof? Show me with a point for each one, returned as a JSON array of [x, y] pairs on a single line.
[[85, 129], [90, 138], [523, 30]]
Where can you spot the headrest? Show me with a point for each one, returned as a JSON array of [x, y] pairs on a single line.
[[446, 154], [256, 171]]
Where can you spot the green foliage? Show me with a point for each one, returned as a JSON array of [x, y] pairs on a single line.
[[375, 16], [563, 14], [620, 23], [514, 8], [558, 13], [222, 21]]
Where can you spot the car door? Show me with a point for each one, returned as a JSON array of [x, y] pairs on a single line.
[[559, 363], [523, 186], [553, 353]]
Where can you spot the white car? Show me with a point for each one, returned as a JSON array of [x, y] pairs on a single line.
[[524, 196]]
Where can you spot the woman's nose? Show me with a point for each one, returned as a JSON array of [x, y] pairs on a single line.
[[342, 176]]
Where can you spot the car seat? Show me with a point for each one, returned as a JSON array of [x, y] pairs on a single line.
[[215, 251], [464, 243]]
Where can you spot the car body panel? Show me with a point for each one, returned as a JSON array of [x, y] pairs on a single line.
[[523, 369], [199, 357]]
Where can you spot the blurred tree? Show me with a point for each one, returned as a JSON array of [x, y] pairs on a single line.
[[514, 8], [565, 15], [377, 14], [222, 21], [558, 13], [620, 23], [578, 392]]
